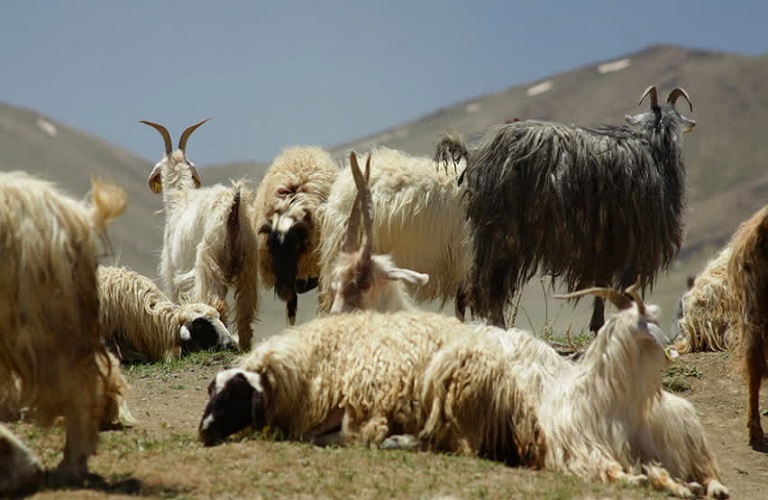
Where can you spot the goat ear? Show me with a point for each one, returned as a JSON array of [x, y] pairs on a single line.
[[407, 275], [155, 181]]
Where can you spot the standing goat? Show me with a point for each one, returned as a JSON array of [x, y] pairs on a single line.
[[748, 282], [286, 210], [591, 206], [142, 324], [209, 244], [49, 250], [414, 214]]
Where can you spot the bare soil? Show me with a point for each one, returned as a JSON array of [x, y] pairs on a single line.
[[161, 458]]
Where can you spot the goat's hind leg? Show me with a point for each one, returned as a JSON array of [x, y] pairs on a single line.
[[756, 370]]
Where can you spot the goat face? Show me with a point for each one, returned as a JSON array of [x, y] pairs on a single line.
[[287, 240], [201, 329], [237, 400], [651, 338]]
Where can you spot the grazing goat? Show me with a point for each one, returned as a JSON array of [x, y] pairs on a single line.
[[286, 211], [210, 243], [352, 379], [747, 275], [141, 324], [360, 280], [20, 471], [49, 249], [415, 215], [708, 309], [573, 203]]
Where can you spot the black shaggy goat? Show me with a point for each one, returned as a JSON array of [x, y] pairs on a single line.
[[590, 206]]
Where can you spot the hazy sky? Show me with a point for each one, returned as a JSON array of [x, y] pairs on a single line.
[[278, 73]]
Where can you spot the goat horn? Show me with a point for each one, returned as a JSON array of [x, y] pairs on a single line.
[[679, 92], [187, 132], [632, 291], [366, 207], [350, 244], [618, 299], [654, 98], [164, 132]]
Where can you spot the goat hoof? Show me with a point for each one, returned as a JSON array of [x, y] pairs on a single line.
[[400, 442], [715, 489], [757, 437]]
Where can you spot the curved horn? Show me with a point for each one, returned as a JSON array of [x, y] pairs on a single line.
[[632, 291], [679, 92], [654, 98], [187, 132], [618, 299], [164, 132], [353, 223]]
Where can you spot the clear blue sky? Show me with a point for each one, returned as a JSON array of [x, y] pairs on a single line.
[[277, 73]]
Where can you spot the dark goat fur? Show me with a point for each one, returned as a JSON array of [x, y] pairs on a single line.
[[587, 206]]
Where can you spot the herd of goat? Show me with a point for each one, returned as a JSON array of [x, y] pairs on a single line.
[[471, 225]]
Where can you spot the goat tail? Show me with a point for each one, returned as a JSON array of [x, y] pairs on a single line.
[[451, 148], [234, 228], [109, 202]]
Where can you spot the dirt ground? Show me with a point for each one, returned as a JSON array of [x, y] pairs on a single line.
[[160, 456]]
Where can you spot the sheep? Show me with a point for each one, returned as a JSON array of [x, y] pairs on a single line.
[[417, 218], [351, 379], [573, 203], [20, 470], [142, 324], [209, 244], [708, 309], [50, 245], [360, 280], [286, 214], [747, 278]]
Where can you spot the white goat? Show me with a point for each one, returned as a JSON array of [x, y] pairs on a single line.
[[20, 471], [608, 418], [209, 243], [286, 209], [417, 218], [360, 280], [709, 308], [142, 324], [49, 246]]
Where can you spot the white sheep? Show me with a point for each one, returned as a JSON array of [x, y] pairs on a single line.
[[142, 324], [417, 218], [209, 246], [50, 246], [296, 184], [20, 470]]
